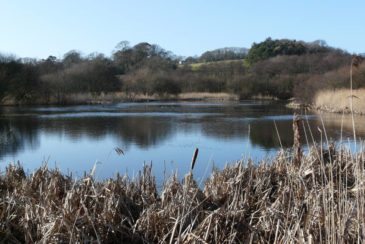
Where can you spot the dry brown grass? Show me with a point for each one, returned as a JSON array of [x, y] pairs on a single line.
[[208, 96], [339, 100], [320, 200]]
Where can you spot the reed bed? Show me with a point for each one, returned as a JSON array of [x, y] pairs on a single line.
[[338, 101], [321, 199]]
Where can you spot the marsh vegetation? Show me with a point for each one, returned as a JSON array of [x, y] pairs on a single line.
[[318, 200]]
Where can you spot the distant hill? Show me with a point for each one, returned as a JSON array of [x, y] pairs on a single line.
[[362, 55]]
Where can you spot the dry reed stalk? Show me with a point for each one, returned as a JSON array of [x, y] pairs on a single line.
[[297, 145]]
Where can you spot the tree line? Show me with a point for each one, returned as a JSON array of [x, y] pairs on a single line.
[[278, 68]]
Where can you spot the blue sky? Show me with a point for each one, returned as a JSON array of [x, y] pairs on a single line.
[[40, 28]]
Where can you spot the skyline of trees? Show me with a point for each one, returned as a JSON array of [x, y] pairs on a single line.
[[279, 68]]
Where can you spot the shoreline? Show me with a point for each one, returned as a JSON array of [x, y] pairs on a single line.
[[117, 97], [320, 104]]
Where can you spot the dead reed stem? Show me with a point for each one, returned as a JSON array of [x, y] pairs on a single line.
[[297, 145]]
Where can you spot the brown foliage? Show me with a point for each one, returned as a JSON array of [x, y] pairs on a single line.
[[322, 200]]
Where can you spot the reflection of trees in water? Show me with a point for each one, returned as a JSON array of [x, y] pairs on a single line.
[[335, 120], [260, 132], [143, 131], [224, 128], [263, 132], [16, 134]]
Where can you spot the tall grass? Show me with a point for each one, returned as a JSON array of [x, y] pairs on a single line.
[[340, 100], [319, 199]]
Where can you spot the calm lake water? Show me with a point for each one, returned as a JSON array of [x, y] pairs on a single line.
[[74, 138]]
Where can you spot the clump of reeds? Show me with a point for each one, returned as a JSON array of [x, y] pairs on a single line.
[[320, 199], [338, 100], [343, 100]]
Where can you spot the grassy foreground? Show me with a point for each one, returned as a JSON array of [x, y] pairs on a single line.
[[316, 197]]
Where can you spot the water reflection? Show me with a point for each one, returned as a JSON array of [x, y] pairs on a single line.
[[150, 125], [17, 135]]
